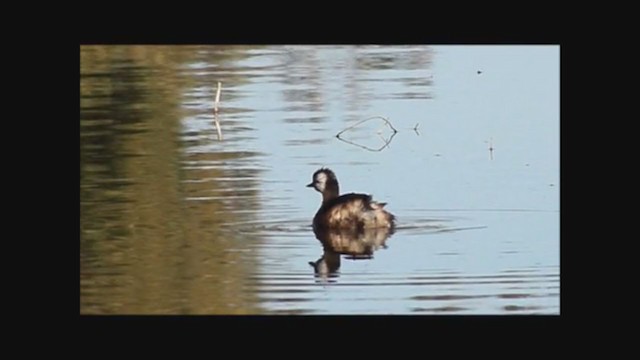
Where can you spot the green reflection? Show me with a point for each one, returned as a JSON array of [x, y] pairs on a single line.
[[145, 246]]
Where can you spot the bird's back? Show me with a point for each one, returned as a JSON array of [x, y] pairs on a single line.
[[353, 211]]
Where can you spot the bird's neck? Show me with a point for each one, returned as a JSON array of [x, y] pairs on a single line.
[[331, 192]]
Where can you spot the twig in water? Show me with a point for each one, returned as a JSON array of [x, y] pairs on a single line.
[[365, 120], [383, 139], [386, 143], [215, 111], [491, 148]]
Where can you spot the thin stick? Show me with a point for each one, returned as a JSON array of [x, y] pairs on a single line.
[[217, 97], [215, 111], [365, 120], [491, 148], [215, 118], [386, 143]]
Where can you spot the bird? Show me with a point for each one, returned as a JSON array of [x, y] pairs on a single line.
[[351, 211]]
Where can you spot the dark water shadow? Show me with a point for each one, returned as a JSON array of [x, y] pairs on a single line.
[[353, 244]]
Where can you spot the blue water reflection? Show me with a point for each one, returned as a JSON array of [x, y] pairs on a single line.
[[472, 174]]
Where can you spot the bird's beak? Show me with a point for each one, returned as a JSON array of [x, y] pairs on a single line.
[[310, 185]]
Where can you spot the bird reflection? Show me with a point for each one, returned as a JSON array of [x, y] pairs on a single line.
[[353, 243]]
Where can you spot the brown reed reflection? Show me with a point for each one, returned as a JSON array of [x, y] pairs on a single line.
[[353, 243], [155, 192]]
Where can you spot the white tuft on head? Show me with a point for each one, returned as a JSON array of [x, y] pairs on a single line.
[[320, 181], [321, 177]]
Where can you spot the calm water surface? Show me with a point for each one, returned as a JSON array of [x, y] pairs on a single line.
[[175, 220]]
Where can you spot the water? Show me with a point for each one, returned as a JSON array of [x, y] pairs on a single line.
[[176, 221]]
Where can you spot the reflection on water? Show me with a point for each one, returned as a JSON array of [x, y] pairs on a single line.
[[356, 243], [155, 192], [357, 141], [175, 221], [517, 291]]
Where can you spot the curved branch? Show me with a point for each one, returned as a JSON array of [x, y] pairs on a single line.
[[365, 120], [386, 143]]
